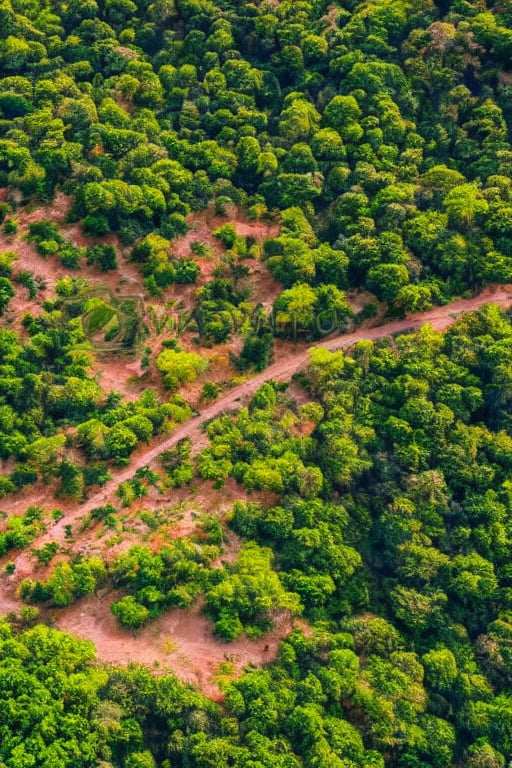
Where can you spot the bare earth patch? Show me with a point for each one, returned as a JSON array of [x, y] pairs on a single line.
[[118, 374], [181, 641]]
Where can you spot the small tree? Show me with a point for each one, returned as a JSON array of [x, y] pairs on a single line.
[[180, 367], [6, 293], [130, 613], [120, 441], [226, 234], [103, 255]]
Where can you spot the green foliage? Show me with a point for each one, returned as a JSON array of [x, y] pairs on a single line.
[[97, 315], [103, 255], [71, 480], [256, 351], [178, 464], [130, 613], [95, 225], [105, 715], [96, 474], [10, 227], [261, 454], [119, 428], [6, 293], [302, 114], [247, 594], [186, 271], [67, 582], [378, 135], [220, 309], [180, 367], [419, 420], [21, 530], [174, 576], [7, 259], [226, 234]]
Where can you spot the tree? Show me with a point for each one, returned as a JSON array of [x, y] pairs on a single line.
[[327, 145], [180, 367], [295, 308], [6, 293], [44, 452], [483, 755], [299, 120], [130, 613], [440, 668], [343, 114], [248, 594], [103, 255], [464, 204], [120, 441], [414, 298], [71, 480], [294, 260], [387, 280]]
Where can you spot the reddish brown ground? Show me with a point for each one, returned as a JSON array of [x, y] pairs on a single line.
[[181, 641], [282, 370], [203, 224], [178, 510], [117, 373]]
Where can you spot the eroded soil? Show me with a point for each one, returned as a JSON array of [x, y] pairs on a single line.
[[282, 370]]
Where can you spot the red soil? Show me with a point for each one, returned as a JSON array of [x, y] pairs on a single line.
[[181, 641], [282, 370]]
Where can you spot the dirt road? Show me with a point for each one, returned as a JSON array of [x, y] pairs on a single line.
[[182, 641], [439, 317]]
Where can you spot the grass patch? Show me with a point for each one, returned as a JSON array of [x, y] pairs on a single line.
[[98, 315]]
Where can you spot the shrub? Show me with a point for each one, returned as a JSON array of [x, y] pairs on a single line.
[[95, 225], [130, 613], [226, 234], [180, 367], [103, 255]]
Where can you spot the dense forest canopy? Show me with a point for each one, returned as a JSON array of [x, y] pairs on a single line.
[[386, 123], [374, 140]]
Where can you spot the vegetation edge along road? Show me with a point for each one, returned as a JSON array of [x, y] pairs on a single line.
[[439, 317]]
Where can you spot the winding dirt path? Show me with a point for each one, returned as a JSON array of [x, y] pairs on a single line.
[[182, 641], [439, 318]]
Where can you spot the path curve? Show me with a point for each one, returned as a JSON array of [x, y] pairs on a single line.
[[439, 317]]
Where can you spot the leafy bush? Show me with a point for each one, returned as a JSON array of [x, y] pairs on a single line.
[[180, 367]]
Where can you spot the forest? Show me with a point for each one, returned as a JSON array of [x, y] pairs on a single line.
[[189, 191]]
